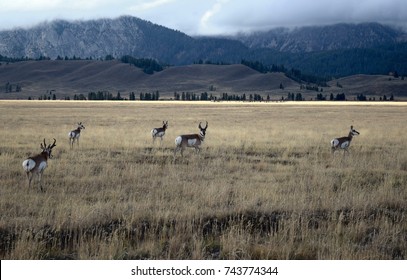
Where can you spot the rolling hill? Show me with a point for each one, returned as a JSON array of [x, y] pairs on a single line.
[[67, 78]]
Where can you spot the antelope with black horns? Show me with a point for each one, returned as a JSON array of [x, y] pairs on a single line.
[[75, 134], [159, 131], [190, 140], [343, 142], [37, 164]]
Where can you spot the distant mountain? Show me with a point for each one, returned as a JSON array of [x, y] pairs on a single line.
[[336, 50], [117, 37], [94, 38], [332, 51]]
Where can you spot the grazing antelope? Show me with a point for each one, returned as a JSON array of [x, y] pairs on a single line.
[[159, 132], [343, 142], [75, 134], [38, 163], [190, 140]]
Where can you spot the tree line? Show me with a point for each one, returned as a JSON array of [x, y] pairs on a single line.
[[148, 65], [9, 87], [294, 74], [359, 97], [204, 96]]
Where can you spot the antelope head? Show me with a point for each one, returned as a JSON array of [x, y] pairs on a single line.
[[48, 149], [81, 126], [203, 129], [353, 132], [165, 125]]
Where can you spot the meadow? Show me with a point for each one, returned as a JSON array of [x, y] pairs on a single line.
[[264, 186]]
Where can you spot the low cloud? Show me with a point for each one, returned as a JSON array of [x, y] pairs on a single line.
[[148, 5], [206, 18], [248, 16], [210, 17]]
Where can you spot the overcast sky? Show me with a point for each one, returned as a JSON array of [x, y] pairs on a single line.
[[208, 17]]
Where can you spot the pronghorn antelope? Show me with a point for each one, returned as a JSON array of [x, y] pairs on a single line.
[[159, 132], [38, 163], [190, 140], [75, 134], [343, 142]]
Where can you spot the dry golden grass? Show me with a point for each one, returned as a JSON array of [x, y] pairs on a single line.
[[265, 185]]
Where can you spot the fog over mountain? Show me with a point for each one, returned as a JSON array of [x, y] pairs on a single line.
[[134, 36], [324, 38], [208, 17]]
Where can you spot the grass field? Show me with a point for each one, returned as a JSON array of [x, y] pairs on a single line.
[[265, 185]]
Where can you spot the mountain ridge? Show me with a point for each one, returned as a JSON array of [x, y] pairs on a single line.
[[324, 38], [380, 48], [128, 35]]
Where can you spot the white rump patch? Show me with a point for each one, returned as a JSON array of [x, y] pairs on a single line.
[[28, 165], [334, 143], [73, 135], [178, 141], [155, 133]]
